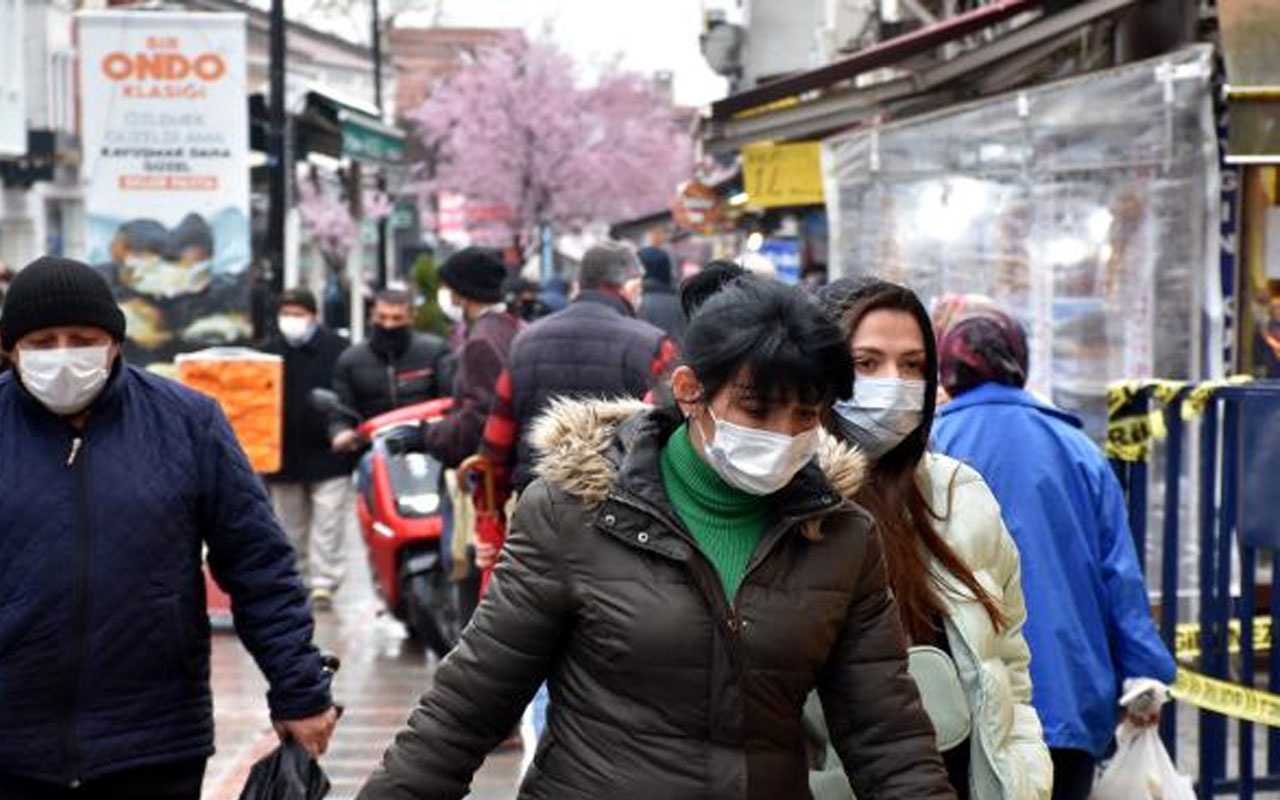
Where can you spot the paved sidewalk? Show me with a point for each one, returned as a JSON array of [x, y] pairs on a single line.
[[380, 680]]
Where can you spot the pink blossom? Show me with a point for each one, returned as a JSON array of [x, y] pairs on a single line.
[[327, 220], [514, 130]]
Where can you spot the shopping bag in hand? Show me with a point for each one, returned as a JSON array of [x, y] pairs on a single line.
[[286, 773], [1141, 768]]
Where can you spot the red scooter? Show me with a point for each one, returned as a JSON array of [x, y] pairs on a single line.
[[403, 511]]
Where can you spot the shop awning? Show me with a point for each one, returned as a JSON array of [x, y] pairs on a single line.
[[1251, 45], [334, 126], [836, 103]]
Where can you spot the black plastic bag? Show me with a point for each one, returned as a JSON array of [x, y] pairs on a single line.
[[286, 773]]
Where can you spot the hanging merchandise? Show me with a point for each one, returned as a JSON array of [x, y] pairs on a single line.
[[1088, 207]]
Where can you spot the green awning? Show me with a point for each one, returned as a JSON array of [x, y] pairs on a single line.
[[366, 138]]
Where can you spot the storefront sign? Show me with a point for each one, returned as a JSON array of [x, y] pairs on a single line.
[[697, 207], [367, 140], [783, 174], [785, 255], [166, 174]]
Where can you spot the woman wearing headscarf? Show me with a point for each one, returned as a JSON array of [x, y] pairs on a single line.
[[953, 567], [1089, 623], [682, 578]]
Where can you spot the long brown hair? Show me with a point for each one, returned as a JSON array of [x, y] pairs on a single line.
[[892, 493]]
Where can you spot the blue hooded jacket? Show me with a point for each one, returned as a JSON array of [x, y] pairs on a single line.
[[1089, 624], [104, 636]]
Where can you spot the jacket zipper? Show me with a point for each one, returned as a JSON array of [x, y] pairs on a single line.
[[80, 604], [391, 385], [705, 573]]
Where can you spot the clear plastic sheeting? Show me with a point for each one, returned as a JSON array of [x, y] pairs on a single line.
[[1087, 206]]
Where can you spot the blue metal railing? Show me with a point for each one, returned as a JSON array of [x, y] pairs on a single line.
[[1223, 435]]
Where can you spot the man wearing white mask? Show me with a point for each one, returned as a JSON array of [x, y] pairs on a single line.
[[312, 491], [471, 296], [115, 480]]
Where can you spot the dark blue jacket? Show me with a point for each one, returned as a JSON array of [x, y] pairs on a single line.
[[1089, 624], [104, 637]]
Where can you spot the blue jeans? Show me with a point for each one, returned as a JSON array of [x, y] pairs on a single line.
[[540, 701]]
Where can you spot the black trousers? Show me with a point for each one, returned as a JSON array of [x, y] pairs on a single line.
[[1073, 772], [176, 781]]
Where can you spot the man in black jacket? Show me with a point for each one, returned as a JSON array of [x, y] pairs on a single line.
[[660, 303], [312, 491], [396, 367]]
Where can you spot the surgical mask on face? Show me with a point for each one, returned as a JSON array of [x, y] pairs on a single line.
[[444, 299], [755, 461], [882, 412], [65, 380], [296, 330]]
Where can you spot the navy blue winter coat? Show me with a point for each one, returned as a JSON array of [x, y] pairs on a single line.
[[104, 637]]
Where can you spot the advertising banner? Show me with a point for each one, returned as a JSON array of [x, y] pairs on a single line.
[[166, 174]]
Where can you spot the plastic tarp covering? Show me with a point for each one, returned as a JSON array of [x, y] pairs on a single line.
[[1088, 206]]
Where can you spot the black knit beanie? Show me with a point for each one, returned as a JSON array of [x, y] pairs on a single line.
[[475, 273], [52, 291]]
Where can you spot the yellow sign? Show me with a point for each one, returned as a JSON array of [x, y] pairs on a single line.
[[783, 174]]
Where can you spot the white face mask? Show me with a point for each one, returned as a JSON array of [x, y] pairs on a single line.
[[296, 330], [65, 380], [755, 461], [882, 413], [444, 299]]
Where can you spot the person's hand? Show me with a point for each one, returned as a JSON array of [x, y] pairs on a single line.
[[486, 555], [1143, 720], [346, 442], [312, 733], [404, 440]]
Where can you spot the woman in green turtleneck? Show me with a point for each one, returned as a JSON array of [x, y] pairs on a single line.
[[725, 522], [682, 578]]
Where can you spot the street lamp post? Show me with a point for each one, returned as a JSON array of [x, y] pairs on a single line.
[[382, 178], [276, 152]]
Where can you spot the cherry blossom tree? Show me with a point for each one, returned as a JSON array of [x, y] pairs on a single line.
[[513, 129], [327, 220]]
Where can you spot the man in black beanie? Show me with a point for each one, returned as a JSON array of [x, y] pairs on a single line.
[[114, 482]]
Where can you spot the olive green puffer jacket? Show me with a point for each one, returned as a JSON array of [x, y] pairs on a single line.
[[660, 687]]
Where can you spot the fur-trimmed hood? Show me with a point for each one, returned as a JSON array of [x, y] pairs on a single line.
[[575, 441]]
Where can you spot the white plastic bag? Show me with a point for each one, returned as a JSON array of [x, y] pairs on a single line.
[[1141, 770]]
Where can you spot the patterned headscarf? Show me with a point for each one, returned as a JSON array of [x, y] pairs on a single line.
[[978, 342]]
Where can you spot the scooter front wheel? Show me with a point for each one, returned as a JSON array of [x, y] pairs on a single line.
[[432, 611]]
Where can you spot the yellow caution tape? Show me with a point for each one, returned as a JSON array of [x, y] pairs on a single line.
[[1129, 437], [1228, 699], [1186, 638], [1201, 395]]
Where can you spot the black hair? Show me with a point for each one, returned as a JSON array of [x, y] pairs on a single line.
[[145, 235], [712, 278], [394, 297], [192, 231], [773, 335]]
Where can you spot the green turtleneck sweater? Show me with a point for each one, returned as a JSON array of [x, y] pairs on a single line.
[[727, 523]]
